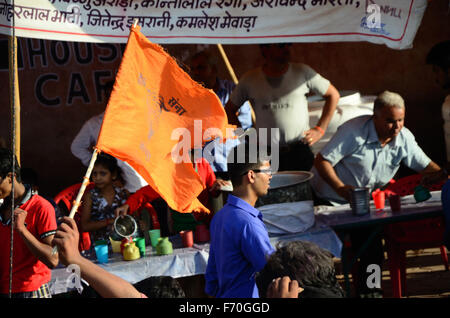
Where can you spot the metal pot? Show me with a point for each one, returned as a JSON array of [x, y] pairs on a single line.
[[288, 186]]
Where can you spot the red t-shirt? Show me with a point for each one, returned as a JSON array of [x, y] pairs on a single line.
[[28, 272]]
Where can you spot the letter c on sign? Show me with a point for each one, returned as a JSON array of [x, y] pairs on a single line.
[[39, 90]]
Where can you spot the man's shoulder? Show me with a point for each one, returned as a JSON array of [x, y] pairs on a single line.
[[356, 125]]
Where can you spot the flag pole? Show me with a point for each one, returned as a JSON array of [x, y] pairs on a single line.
[[233, 76], [86, 177], [85, 182], [14, 93]]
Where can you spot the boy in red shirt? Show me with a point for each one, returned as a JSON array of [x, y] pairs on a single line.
[[34, 228]]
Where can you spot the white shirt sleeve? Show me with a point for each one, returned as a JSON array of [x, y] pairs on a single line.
[[82, 145]]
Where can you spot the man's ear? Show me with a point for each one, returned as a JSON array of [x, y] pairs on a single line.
[[250, 176], [10, 176]]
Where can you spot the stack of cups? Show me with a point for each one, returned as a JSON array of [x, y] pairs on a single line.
[[360, 201]]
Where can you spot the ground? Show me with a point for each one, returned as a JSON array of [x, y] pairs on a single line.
[[426, 276]]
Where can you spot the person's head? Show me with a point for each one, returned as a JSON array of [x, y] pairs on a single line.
[[160, 287], [203, 68], [310, 265], [105, 171], [6, 174], [388, 114], [247, 168], [279, 53], [439, 58]]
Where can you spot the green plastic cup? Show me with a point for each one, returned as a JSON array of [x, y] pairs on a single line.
[[154, 236], [140, 243]]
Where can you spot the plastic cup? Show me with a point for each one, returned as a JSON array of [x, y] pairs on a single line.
[[101, 251], [154, 236], [379, 199], [395, 202], [201, 233], [140, 243], [187, 237], [115, 245]]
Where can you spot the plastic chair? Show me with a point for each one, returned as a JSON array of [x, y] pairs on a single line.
[[411, 235], [67, 197]]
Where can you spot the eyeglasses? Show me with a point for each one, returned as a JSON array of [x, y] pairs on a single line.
[[266, 171]]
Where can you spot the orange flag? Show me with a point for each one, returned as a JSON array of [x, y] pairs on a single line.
[[151, 112]]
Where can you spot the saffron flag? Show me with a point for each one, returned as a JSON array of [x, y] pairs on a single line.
[[153, 109]]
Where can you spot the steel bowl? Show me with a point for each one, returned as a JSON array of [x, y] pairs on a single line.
[[288, 186]]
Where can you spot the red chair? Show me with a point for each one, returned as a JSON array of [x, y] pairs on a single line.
[[411, 235], [67, 197]]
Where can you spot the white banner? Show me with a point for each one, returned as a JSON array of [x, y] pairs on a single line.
[[393, 23]]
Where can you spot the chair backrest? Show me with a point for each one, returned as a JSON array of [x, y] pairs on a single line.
[[405, 186], [67, 197]]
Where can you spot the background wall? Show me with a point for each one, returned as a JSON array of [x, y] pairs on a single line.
[[61, 87]]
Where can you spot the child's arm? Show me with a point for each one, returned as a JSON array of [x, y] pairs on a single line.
[[87, 224], [105, 283], [41, 249]]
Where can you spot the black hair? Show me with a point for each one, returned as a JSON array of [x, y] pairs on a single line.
[[306, 262], [6, 163], [243, 158], [160, 287], [439, 55], [110, 163]]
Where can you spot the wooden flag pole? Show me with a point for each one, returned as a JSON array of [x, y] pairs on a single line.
[[233, 75], [86, 177], [85, 182], [14, 94]]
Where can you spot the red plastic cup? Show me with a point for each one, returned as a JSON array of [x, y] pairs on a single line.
[[201, 234], [187, 237], [395, 202], [378, 199]]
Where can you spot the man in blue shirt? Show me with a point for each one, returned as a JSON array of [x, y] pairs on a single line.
[[366, 152], [203, 69], [239, 240]]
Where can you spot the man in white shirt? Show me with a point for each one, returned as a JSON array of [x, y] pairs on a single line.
[[277, 91]]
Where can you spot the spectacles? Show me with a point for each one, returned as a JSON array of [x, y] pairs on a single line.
[[266, 171]]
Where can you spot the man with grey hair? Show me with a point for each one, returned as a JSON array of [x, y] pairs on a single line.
[[366, 151]]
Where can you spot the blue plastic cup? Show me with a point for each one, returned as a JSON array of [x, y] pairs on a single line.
[[101, 251]]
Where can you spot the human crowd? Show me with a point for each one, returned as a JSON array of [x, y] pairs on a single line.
[[366, 151]]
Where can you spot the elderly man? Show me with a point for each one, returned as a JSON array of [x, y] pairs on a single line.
[[277, 91], [366, 152]]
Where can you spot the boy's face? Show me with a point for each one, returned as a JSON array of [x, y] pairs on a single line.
[[5, 186]]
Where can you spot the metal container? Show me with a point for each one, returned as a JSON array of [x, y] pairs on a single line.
[[125, 226], [360, 200], [288, 186]]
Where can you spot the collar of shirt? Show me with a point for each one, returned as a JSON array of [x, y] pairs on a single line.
[[238, 202], [25, 198]]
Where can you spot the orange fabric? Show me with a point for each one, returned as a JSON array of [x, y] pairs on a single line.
[[152, 96]]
